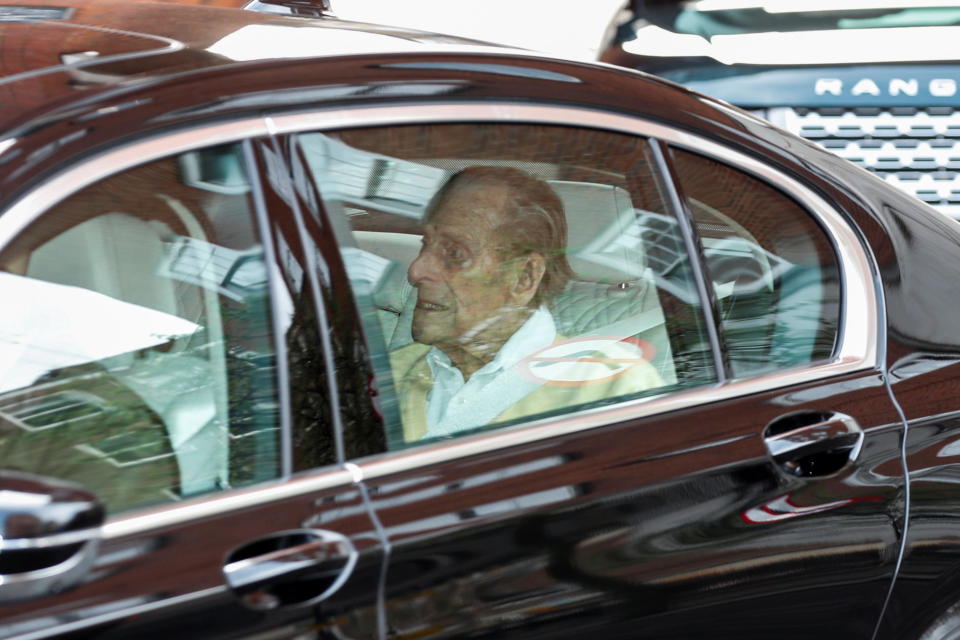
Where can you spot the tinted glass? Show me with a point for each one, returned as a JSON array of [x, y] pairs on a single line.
[[508, 272], [773, 270], [139, 361]]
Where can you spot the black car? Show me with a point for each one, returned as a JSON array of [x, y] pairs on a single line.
[[235, 398]]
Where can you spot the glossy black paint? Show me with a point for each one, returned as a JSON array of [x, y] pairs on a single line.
[[651, 528], [647, 528]]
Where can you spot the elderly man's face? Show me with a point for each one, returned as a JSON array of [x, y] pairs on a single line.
[[465, 293]]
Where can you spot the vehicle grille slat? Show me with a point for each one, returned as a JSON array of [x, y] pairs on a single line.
[[916, 149]]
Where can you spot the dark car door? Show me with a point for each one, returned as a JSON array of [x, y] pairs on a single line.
[[731, 473], [167, 456]]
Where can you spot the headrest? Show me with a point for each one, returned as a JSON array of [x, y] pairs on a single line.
[[603, 236]]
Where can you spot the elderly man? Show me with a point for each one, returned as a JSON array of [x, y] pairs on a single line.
[[493, 254]]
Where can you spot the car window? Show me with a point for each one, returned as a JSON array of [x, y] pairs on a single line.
[[772, 267], [508, 272], [139, 362]]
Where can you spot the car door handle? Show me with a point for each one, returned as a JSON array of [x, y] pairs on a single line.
[[300, 566], [50, 533], [813, 443]]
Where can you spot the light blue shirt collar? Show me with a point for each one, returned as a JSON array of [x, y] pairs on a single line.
[[455, 404]]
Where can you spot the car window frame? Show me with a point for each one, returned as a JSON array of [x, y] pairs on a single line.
[[860, 296], [33, 204], [682, 205]]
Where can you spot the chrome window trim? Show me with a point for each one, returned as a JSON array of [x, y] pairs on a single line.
[[860, 298], [856, 351], [65, 184], [167, 515]]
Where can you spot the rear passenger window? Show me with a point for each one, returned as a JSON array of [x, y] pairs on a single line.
[[139, 362], [772, 268], [508, 272]]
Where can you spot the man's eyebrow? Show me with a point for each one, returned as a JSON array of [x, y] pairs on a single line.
[[459, 234]]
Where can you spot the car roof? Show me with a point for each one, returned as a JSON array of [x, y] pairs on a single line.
[[77, 77], [52, 52]]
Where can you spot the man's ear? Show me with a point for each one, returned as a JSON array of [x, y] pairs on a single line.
[[528, 278]]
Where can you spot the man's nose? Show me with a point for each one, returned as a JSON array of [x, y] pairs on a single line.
[[422, 267]]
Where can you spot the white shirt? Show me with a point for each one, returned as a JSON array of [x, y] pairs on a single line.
[[454, 405]]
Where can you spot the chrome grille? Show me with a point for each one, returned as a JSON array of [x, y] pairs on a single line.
[[916, 149]]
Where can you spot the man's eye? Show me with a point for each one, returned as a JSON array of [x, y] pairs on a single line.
[[455, 255]]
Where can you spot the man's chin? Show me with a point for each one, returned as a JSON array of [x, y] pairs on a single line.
[[423, 335]]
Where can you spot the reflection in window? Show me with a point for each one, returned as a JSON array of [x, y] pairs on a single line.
[[773, 270], [506, 273], [139, 362]]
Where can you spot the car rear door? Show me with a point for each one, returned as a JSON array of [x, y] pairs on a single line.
[[756, 492]]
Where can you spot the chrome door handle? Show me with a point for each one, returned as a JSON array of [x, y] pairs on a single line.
[[50, 534], [300, 566], [813, 444]]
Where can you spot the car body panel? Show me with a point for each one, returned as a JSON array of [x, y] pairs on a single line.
[[553, 538], [153, 580]]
